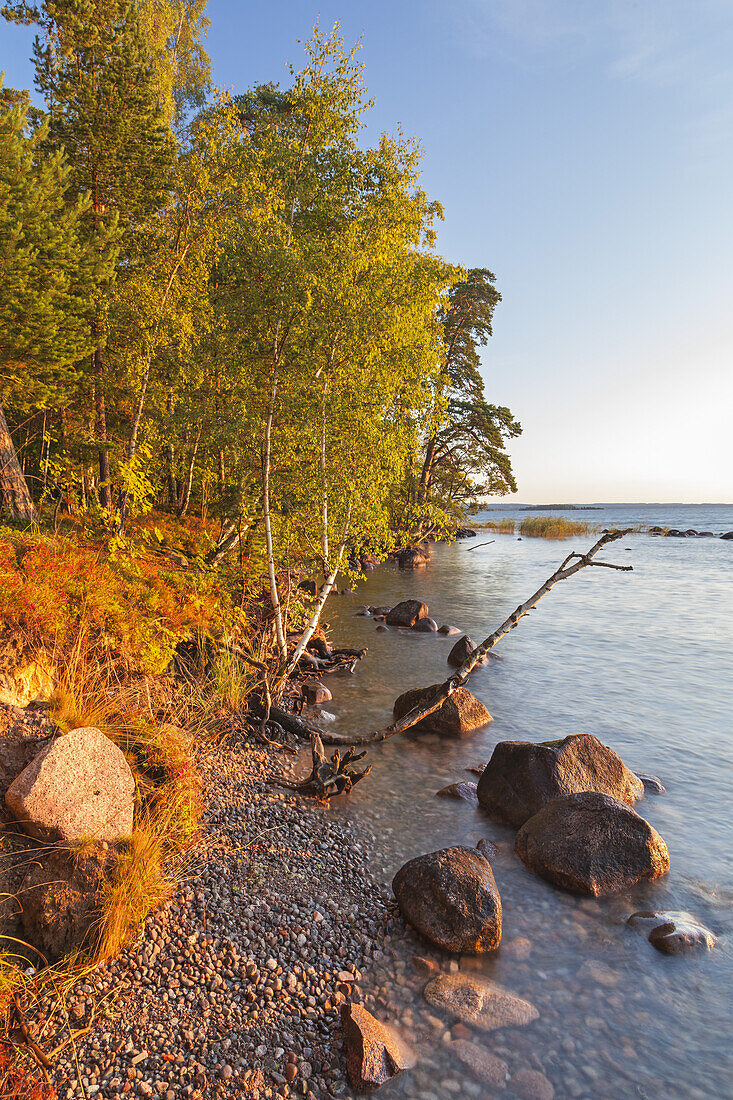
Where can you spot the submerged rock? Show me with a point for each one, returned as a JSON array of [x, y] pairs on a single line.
[[477, 1002], [80, 787], [521, 776], [373, 1053], [484, 1066], [592, 844], [449, 631], [530, 1084], [465, 791], [673, 932], [460, 713], [451, 898], [406, 613]]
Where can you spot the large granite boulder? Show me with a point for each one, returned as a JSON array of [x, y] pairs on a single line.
[[460, 713], [673, 932], [521, 776], [374, 1054], [406, 613], [479, 1003], [79, 787], [590, 843], [62, 896], [414, 557], [450, 897]]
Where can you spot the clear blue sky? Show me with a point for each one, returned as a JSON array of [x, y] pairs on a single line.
[[582, 151]]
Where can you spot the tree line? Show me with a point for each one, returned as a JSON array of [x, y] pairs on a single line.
[[229, 304]]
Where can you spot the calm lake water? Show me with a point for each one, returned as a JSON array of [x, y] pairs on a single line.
[[644, 661]]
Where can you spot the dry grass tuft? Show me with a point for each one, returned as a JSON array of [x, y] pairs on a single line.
[[503, 526]]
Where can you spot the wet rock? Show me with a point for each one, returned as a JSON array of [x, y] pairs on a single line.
[[426, 625], [727, 535], [673, 932], [449, 631], [382, 629], [380, 611], [406, 613], [451, 898], [373, 1053], [464, 791], [477, 1002], [592, 844], [465, 533], [315, 693], [530, 1084], [62, 895], [460, 713], [521, 777], [652, 784], [414, 557], [461, 651], [487, 848], [485, 1067], [79, 787], [425, 966]]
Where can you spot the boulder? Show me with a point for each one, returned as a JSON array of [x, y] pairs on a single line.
[[406, 613], [414, 557], [316, 693], [592, 844], [426, 625], [374, 1054], [450, 897], [530, 1084], [460, 713], [673, 932], [461, 651], [485, 1067], [477, 1002], [521, 776], [380, 612], [464, 791], [465, 533], [62, 896], [449, 631], [79, 787], [652, 783], [727, 535]]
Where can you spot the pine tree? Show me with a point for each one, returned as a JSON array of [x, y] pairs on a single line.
[[43, 293], [467, 436]]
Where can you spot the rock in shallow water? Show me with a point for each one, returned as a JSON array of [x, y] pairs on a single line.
[[521, 776], [464, 791], [373, 1053], [460, 713], [484, 1066], [426, 625], [673, 932], [479, 1003], [451, 898], [80, 787], [652, 783], [406, 613], [530, 1084], [592, 844]]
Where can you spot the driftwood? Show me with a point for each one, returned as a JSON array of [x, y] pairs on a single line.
[[572, 564], [328, 777], [480, 544]]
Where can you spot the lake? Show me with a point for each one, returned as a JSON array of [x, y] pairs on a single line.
[[643, 660]]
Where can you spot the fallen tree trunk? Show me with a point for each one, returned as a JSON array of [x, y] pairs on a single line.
[[573, 564]]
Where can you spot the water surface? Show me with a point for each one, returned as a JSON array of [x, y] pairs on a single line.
[[643, 660]]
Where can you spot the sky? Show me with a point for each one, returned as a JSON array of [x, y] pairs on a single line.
[[582, 151]]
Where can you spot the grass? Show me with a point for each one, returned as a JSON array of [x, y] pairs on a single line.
[[503, 526], [553, 527]]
